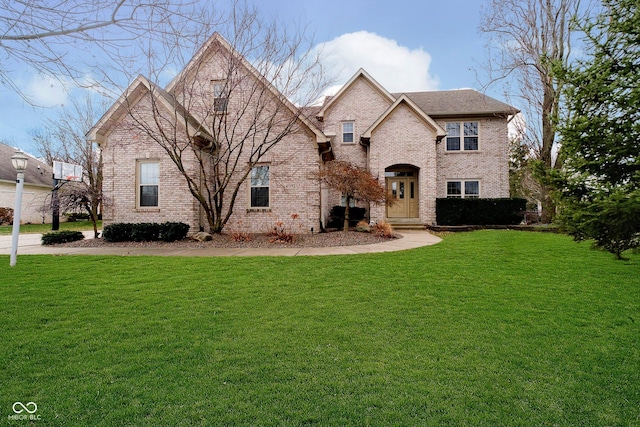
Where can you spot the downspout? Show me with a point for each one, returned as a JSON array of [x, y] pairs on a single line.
[[366, 143], [327, 151]]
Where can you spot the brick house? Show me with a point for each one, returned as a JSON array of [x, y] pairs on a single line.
[[423, 145]]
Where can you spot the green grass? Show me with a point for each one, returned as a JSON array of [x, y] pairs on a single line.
[[46, 228], [493, 328]]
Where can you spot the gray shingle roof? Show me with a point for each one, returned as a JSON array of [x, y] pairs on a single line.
[[37, 172], [462, 102]]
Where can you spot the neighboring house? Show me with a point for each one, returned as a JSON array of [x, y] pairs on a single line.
[[421, 145], [37, 186]]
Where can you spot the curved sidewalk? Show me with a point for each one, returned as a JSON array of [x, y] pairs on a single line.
[[29, 244]]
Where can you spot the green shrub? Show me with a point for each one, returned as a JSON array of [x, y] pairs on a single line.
[[453, 211], [117, 232], [336, 216], [61, 237], [76, 216], [172, 231], [145, 232]]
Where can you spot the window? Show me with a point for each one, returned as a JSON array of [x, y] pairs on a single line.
[[471, 189], [148, 182], [469, 134], [220, 97], [343, 201], [347, 132], [260, 187]]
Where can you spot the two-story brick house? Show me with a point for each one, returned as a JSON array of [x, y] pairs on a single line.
[[422, 145]]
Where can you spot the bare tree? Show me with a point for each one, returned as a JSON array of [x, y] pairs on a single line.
[[63, 139], [526, 39], [231, 106], [53, 38]]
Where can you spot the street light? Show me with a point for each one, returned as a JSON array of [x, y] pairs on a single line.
[[19, 162]]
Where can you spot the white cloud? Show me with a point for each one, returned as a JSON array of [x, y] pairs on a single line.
[[47, 91], [397, 68]]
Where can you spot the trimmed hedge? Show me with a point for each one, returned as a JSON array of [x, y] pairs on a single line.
[[61, 237], [117, 232], [145, 231], [454, 211], [336, 216], [172, 231]]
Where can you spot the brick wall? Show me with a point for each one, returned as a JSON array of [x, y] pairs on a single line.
[[293, 190], [405, 139], [362, 104], [489, 165]]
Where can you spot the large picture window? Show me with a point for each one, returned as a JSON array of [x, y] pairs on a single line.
[[463, 189], [260, 187], [462, 136], [148, 183]]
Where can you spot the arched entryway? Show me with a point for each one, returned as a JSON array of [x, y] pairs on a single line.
[[402, 187]]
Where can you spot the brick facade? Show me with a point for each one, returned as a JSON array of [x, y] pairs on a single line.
[[399, 135]]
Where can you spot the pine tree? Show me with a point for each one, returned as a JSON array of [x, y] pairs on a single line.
[[599, 191]]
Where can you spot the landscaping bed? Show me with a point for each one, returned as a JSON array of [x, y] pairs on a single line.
[[224, 240]]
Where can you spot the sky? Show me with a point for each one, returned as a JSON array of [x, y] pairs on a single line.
[[406, 45]]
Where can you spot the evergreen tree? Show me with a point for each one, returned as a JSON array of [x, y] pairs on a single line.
[[599, 191]]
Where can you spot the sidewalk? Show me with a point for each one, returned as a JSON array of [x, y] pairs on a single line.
[[30, 244]]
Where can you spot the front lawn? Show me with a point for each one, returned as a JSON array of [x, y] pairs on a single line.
[[46, 228], [495, 328]]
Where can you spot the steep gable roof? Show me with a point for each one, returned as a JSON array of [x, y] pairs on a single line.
[[218, 40], [405, 100], [130, 97], [37, 173], [462, 102], [361, 73]]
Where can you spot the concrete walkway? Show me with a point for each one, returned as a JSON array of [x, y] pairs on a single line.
[[30, 244]]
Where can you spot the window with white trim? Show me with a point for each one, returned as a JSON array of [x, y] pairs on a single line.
[[463, 189], [462, 136], [347, 132], [259, 187], [220, 96], [148, 175]]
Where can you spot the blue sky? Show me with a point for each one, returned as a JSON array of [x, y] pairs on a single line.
[[406, 45]]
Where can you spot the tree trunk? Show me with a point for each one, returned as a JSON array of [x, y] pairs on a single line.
[[346, 214]]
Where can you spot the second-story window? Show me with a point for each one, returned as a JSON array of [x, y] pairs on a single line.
[[347, 132], [220, 96], [462, 136]]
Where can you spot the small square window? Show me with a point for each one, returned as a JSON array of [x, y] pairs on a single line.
[[454, 189], [472, 189], [347, 132]]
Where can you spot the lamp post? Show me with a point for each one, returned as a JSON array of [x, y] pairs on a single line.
[[19, 162]]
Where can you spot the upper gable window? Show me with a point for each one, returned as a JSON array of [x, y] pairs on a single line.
[[467, 140], [220, 96], [347, 132]]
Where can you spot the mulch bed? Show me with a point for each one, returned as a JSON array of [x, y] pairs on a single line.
[[317, 240]]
